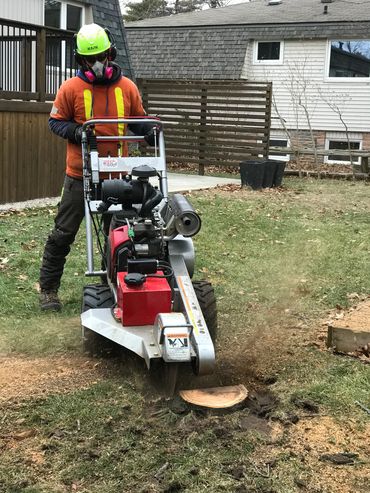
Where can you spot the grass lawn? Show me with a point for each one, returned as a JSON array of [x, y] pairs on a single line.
[[282, 262]]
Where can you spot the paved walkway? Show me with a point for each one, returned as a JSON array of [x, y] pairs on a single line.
[[177, 182]]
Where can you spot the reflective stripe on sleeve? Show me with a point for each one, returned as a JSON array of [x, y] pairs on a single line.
[[120, 109], [88, 104]]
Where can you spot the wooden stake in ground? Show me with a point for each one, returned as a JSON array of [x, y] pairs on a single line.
[[352, 332]]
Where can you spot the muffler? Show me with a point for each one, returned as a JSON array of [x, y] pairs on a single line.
[[185, 220]]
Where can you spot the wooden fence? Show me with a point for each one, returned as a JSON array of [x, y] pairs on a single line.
[[206, 122], [211, 122], [32, 159], [339, 154]]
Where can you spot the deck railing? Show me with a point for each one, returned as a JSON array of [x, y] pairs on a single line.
[[34, 60]]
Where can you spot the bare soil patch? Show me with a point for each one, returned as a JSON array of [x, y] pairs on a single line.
[[312, 438], [22, 378], [357, 316]]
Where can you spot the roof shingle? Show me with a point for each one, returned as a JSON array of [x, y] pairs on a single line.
[[260, 12]]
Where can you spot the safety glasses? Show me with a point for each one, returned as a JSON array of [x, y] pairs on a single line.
[[100, 57]]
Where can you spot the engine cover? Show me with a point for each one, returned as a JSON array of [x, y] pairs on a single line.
[[120, 248], [139, 305]]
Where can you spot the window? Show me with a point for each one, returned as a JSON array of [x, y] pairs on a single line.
[[268, 52], [350, 59], [278, 142], [73, 17], [340, 143], [64, 15], [52, 13]]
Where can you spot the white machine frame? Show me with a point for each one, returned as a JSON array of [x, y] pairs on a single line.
[[177, 336]]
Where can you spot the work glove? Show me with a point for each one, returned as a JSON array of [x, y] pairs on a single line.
[[74, 133], [152, 135], [78, 134]]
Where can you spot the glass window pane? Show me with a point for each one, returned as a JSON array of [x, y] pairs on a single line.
[[268, 50], [73, 17], [52, 13], [343, 144], [276, 155], [350, 58], [278, 143]]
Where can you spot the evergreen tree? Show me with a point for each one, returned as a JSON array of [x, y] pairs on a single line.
[[146, 9], [181, 6]]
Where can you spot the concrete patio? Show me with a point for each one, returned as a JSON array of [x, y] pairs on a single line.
[[177, 182]]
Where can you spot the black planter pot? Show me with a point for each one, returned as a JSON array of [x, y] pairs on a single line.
[[251, 173], [270, 170], [279, 172]]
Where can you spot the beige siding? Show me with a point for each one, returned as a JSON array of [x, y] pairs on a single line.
[[308, 60], [30, 11]]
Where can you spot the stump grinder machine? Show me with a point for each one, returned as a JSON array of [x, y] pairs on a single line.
[[146, 300]]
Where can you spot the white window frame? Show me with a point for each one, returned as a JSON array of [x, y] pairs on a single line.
[[352, 80], [86, 15], [63, 12], [341, 137], [281, 157], [63, 25], [268, 62]]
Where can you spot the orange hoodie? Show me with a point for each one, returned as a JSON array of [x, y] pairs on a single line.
[[79, 101]]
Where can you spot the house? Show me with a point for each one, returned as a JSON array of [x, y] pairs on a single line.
[[36, 56], [315, 52], [61, 15]]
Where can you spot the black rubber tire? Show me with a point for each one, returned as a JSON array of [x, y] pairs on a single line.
[[96, 296], [207, 301]]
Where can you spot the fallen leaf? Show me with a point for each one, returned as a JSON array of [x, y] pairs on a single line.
[[353, 296], [22, 435]]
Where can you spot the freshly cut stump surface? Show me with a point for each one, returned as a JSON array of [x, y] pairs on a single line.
[[216, 397]]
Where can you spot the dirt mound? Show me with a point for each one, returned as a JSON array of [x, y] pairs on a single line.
[[314, 438], [22, 378]]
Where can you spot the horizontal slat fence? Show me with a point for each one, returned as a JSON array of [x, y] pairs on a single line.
[[206, 123], [209, 122], [32, 159]]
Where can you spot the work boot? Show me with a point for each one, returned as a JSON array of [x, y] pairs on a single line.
[[49, 300]]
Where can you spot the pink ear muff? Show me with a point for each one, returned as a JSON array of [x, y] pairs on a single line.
[[89, 75]]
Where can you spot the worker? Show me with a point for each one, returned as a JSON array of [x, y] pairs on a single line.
[[99, 89]]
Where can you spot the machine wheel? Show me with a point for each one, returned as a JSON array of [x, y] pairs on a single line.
[[96, 296], [207, 301]]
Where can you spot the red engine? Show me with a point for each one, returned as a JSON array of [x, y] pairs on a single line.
[[139, 305], [120, 246]]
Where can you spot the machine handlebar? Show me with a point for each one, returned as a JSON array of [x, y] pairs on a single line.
[[100, 121]]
